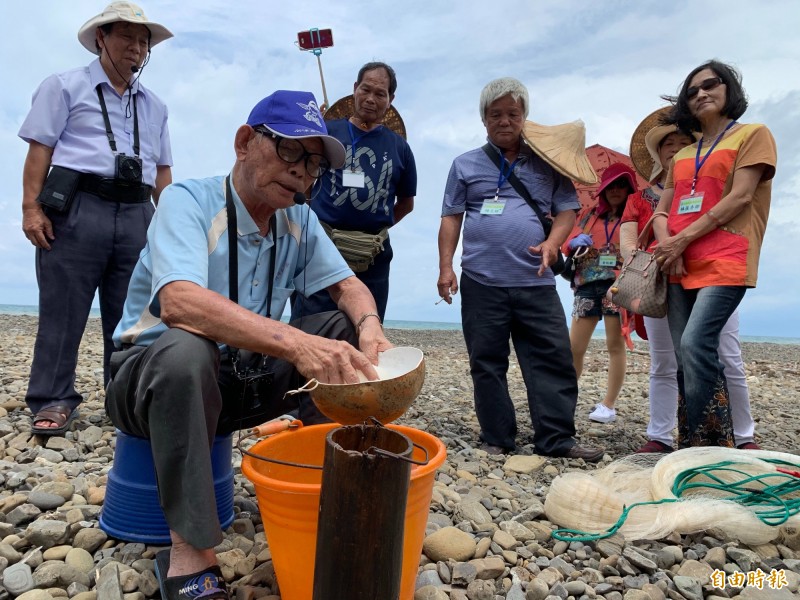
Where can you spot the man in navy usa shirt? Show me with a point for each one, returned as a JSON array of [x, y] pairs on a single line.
[[373, 190], [507, 286]]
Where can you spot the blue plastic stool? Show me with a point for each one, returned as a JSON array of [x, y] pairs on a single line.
[[131, 510]]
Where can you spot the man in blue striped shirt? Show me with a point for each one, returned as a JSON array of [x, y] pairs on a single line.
[[507, 285]]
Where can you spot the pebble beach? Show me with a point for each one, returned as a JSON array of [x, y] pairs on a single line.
[[487, 537]]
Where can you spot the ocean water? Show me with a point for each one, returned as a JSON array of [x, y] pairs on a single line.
[[19, 309], [15, 309]]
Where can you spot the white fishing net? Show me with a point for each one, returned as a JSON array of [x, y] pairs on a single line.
[[594, 501]]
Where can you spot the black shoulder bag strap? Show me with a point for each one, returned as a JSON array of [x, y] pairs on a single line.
[[233, 255], [547, 222]]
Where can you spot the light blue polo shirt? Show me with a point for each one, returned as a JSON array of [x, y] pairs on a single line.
[[188, 241], [65, 115]]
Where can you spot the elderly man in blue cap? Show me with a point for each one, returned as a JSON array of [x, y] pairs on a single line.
[[202, 351]]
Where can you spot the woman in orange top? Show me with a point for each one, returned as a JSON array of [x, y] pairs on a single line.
[[594, 244], [652, 149], [710, 224]]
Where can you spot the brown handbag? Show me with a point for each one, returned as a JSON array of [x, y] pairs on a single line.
[[641, 287]]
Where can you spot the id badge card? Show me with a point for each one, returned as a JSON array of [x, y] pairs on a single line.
[[690, 203], [608, 260], [493, 206], [353, 179]]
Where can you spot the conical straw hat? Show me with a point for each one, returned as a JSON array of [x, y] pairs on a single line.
[[643, 161], [645, 140], [563, 147], [344, 108]]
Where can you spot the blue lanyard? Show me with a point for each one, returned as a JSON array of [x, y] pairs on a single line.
[[354, 140], [698, 164], [503, 174], [610, 236]]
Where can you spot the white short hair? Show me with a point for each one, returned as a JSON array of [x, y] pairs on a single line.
[[503, 87]]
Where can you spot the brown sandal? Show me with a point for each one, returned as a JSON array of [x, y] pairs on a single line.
[[60, 414]]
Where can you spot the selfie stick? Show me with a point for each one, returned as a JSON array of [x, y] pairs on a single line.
[[322, 78], [316, 49]]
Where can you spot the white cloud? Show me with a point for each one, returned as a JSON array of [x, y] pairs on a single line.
[[606, 63]]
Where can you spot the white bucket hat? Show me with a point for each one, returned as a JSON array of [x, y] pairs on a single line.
[[120, 11]]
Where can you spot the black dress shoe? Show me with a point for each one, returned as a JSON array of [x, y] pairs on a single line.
[[493, 450], [587, 453]]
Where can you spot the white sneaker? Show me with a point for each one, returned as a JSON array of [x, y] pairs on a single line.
[[603, 414]]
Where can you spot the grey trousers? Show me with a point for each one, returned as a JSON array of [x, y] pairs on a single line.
[[96, 246], [173, 392]]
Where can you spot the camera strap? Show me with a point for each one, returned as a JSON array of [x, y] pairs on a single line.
[[110, 134], [233, 251]]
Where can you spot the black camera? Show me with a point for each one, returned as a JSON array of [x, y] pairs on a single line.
[[128, 169], [254, 388], [254, 378]]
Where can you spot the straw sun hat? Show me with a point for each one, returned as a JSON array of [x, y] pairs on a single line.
[[563, 147], [344, 108], [121, 11], [645, 141]]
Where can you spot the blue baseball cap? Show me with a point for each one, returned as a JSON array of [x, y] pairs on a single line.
[[296, 115]]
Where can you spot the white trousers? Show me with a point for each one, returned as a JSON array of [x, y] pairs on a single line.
[[664, 384]]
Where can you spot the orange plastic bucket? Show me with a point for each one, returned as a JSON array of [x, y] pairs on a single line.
[[288, 499]]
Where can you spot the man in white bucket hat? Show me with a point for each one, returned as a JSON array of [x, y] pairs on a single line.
[[99, 154]]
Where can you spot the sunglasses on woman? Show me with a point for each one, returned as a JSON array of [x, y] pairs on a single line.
[[706, 85]]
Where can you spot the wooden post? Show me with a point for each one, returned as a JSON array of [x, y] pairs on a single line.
[[362, 514]]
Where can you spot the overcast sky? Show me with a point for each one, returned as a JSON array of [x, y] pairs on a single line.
[[604, 62]]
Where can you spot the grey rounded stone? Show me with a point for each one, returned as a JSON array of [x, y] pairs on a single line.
[[575, 587], [22, 514], [80, 559], [47, 533], [89, 539], [59, 488], [45, 501], [537, 590], [689, 587], [449, 543], [58, 574], [430, 592]]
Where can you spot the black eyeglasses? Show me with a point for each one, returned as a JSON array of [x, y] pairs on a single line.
[[292, 152], [706, 85]]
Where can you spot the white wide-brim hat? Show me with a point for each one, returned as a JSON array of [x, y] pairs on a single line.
[[563, 147], [121, 11]]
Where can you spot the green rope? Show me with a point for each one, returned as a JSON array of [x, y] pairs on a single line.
[[772, 502]]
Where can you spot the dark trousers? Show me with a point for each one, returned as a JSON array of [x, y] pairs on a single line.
[[175, 393], [96, 246], [534, 318], [696, 319], [376, 278]]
